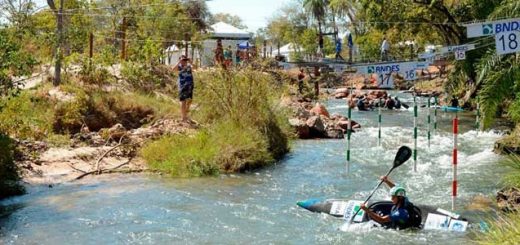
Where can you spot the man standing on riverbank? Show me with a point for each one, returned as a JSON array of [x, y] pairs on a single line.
[[186, 85], [385, 49]]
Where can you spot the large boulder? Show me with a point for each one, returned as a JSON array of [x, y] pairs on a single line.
[[317, 128], [302, 113], [334, 133], [341, 93], [320, 109], [302, 129]]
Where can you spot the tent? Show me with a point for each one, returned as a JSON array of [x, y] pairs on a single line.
[[286, 50], [228, 34]]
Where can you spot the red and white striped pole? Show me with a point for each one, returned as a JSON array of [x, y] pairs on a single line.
[[454, 185]]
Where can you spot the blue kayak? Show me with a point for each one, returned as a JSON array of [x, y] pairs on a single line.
[[451, 109]]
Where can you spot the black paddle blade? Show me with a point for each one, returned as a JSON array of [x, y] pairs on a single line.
[[402, 156]]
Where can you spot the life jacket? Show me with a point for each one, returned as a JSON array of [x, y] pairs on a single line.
[[414, 218]]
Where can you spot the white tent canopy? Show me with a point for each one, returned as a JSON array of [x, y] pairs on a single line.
[[230, 36], [226, 31], [286, 50]]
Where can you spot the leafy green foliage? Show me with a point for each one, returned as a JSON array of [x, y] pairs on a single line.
[[13, 62], [27, 116], [499, 78], [8, 172]]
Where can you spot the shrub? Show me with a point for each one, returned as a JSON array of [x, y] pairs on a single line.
[[249, 130], [140, 77], [8, 173], [27, 116], [226, 146]]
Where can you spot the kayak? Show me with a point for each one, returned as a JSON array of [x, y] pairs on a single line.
[[451, 109], [432, 218]]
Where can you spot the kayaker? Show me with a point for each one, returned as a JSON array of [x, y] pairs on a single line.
[[454, 102], [397, 103], [389, 103], [361, 104], [400, 216]]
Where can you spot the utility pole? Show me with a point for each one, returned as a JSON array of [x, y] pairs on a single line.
[[59, 54], [123, 40], [186, 38], [265, 49]]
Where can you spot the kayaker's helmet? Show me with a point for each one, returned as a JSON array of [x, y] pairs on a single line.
[[398, 191]]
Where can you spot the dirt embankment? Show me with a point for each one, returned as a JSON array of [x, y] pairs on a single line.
[[112, 150]]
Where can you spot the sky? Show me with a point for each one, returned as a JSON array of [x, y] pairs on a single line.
[[254, 13]]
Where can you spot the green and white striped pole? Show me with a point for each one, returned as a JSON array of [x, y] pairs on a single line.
[[349, 130], [379, 122], [436, 101], [477, 122], [429, 122], [415, 109]]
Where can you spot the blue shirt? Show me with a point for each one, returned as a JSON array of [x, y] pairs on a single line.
[[185, 75], [400, 216]]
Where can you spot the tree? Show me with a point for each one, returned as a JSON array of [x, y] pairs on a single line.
[[14, 62], [233, 20], [18, 13], [59, 37], [317, 8]]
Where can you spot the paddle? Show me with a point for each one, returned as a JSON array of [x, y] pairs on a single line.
[[406, 106], [403, 154]]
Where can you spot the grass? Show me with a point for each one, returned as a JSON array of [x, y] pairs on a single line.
[[35, 115], [247, 128], [27, 116], [224, 147], [512, 179], [503, 230], [506, 228]]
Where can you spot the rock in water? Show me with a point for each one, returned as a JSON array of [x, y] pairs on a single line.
[[320, 109], [508, 199], [317, 128], [302, 129]]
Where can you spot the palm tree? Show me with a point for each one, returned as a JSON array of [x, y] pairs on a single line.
[[344, 8], [318, 10]]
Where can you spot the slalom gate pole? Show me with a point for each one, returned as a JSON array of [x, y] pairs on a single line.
[[436, 101], [429, 122], [379, 122], [415, 112], [349, 129], [477, 122], [455, 152]]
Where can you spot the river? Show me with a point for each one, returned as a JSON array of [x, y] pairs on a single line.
[[260, 207]]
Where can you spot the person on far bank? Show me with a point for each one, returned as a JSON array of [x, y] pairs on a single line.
[[385, 49], [402, 213], [186, 85], [228, 56], [301, 77], [454, 102]]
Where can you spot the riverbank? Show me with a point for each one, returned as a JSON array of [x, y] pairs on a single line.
[[86, 127]]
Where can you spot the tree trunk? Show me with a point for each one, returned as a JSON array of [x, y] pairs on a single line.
[[59, 52]]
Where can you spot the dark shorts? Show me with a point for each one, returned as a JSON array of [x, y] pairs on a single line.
[[186, 92]]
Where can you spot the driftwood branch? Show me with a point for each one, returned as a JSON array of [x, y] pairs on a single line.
[[112, 170], [107, 152]]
